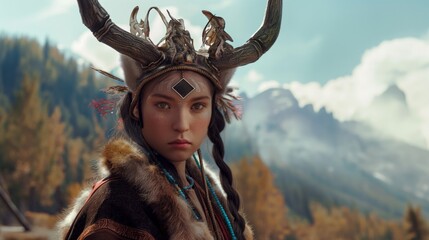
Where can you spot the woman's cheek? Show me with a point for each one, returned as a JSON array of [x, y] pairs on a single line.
[[205, 119]]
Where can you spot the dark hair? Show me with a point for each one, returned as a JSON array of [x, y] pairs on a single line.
[[132, 128], [217, 124]]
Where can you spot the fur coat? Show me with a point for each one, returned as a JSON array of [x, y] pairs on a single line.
[[137, 202]]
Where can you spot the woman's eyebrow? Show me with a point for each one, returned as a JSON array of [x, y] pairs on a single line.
[[199, 98], [160, 95]]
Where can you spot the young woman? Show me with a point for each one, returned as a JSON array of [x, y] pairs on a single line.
[[154, 184]]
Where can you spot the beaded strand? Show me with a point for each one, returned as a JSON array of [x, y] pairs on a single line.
[[219, 204], [171, 179], [191, 184]]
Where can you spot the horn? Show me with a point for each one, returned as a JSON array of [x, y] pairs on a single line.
[[258, 44], [96, 18]]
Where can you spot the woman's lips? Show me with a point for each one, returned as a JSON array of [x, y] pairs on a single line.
[[180, 143]]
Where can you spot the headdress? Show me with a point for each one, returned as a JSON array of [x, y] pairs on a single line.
[[144, 61]]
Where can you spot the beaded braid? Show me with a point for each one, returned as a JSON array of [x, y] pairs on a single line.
[[217, 124]]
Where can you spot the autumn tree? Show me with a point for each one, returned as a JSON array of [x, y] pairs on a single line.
[[416, 226], [21, 130], [263, 203], [49, 136], [343, 223], [32, 147], [50, 160]]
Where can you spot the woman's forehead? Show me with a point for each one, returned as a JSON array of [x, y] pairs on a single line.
[[182, 84]]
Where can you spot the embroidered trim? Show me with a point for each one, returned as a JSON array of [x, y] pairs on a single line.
[[121, 230]]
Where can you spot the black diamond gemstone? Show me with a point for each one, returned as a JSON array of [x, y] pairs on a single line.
[[183, 88]]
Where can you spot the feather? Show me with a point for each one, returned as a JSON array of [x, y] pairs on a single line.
[[107, 74]]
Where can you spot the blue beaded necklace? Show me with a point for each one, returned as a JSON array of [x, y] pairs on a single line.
[[173, 181], [182, 194], [218, 203]]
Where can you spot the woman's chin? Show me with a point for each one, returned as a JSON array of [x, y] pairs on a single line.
[[176, 157]]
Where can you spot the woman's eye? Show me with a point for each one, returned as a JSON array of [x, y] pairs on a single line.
[[198, 106], [163, 105]]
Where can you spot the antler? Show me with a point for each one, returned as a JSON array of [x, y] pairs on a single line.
[[96, 18], [258, 44]]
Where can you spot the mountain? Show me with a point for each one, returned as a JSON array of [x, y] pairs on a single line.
[[317, 158], [390, 114]]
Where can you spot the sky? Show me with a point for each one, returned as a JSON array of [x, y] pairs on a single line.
[[335, 54]]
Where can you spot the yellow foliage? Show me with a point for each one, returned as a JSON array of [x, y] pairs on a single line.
[[263, 203], [344, 224], [33, 144]]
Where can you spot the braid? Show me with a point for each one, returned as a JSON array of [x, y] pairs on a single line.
[[216, 126]]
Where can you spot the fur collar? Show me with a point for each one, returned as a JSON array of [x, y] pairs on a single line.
[[119, 157]]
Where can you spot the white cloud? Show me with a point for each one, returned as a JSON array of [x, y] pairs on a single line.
[[339, 96], [253, 76], [95, 52], [403, 62], [265, 85], [252, 83], [56, 7]]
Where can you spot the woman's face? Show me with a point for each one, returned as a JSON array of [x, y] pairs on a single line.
[[175, 117]]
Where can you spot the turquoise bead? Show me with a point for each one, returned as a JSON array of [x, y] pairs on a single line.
[[219, 204]]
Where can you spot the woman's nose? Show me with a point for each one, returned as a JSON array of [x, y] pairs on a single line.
[[181, 123]]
